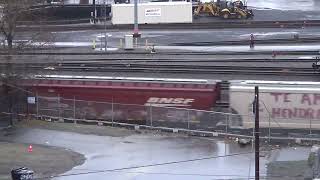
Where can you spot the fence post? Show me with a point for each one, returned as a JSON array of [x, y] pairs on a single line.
[[112, 112], [121, 43], [74, 109], [37, 104], [269, 133], [59, 107], [136, 42], [227, 122], [146, 44], [188, 119], [310, 128], [150, 115]]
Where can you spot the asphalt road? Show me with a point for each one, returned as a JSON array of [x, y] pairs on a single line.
[[178, 38]]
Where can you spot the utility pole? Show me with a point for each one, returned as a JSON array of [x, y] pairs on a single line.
[[256, 131], [105, 25], [135, 28], [94, 11]]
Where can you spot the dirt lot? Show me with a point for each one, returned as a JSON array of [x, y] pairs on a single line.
[[288, 170], [45, 161]]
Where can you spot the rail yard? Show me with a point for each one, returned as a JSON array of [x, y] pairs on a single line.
[[189, 68]]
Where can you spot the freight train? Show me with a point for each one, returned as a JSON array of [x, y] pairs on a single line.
[[290, 105]]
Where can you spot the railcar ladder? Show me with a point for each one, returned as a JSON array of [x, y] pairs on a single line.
[[224, 101]]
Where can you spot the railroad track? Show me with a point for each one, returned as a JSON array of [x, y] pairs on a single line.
[[161, 53], [169, 60], [166, 68], [184, 60], [173, 58], [194, 69]]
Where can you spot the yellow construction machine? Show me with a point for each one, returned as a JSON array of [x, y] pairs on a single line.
[[236, 10], [224, 9], [209, 8]]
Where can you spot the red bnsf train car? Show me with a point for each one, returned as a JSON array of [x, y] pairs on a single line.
[[131, 97], [188, 93]]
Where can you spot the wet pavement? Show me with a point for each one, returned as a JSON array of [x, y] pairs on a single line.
[[185, 38], [246, 48], [107, 153], [173, 37]]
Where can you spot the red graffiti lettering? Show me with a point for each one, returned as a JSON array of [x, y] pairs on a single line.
[[288, 113], [293, 113], [310, 113], [276, 96], [316, 99], [276, 112], [305, 98], [286, 97], [302, 113], [285, 113]]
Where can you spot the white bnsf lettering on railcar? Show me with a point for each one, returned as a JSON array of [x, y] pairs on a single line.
[[167, 102]]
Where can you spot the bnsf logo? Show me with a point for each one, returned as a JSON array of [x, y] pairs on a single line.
[[155, 101]]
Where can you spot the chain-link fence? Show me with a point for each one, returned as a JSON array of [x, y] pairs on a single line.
[[168, 117], [172, 117]]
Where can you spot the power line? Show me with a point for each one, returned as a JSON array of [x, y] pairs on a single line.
[[18, 88], [182, 174], [215, 176], [150, 165]]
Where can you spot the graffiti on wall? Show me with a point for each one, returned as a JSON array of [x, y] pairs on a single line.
[[301, 106]]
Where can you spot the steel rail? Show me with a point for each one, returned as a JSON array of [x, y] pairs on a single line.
[[192, 69], [159, 60], [160, 53]]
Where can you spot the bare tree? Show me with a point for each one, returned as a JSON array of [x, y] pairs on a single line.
[[12, 13]]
